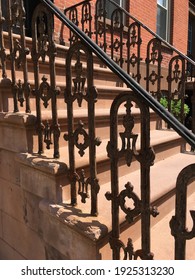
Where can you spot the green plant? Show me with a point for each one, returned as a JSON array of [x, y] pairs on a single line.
[[175, 107]]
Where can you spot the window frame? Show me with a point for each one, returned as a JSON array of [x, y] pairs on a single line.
[[166, 8], [123, 4]]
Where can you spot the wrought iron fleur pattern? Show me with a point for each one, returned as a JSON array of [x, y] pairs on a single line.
[[128, 137], [18, 12], [3, 55], [20, 53], [45, 91], [139, 206], [86, 19], [83, 186], [44, 45], [131, 213], [79, 82], [178, 222], [47, 135], [79, 137], [43, 36]]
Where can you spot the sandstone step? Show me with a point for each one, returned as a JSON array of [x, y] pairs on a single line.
[[102, 75], [105, 95], [102, 122], [165, 144], [97, 229]]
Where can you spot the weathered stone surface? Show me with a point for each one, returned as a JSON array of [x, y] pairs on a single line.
[[53, 254], [24, 240], [11, 200], [72, 233], [6, 99], [31, 211], [1, 226], [9, 253], [9, 170], [44, 178], [16, 132]]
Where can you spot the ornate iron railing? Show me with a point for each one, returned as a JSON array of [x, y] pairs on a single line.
[[121, 38], [80, 88], [18, 54]]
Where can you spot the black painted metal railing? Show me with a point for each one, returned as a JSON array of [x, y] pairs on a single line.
[[80, 88], [121, 37]]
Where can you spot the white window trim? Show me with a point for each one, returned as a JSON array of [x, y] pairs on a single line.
[[168, 18]]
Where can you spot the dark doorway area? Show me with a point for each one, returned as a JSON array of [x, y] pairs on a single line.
[[29, 8]]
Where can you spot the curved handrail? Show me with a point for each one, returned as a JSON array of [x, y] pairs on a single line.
[[76, 5], [130, 82], [153, 33]]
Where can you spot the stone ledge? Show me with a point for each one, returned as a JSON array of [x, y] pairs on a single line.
[[48, 165], [18, 119], [84, 224]]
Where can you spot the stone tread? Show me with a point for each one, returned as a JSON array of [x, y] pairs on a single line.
[[157, 137], [100, 227]]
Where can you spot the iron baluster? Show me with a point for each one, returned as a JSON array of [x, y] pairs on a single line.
[[43, 45], [178, 222], [100, 24], [55, 91], [86, 19], [134, 55], [73, 16], [176, 77], [12, 57], [145, 157], [154, 60], [79, 94], [2, 47], [23, 52], [117, 40]]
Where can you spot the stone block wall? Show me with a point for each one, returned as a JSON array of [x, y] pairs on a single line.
[[32, 224]]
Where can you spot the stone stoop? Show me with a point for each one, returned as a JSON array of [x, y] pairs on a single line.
[[36, 219]]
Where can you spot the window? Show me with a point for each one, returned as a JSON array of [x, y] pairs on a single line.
[[163, 19], [110, 7], [190, 36]]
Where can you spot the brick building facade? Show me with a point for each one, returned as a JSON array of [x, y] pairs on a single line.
[[171, 18], [177, 17]]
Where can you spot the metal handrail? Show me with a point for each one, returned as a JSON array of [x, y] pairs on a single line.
[[76, 5], [154, 34], [130, 82]]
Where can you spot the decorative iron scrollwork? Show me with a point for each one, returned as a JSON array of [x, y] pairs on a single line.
[[128, 137], [47, 135], [177, 228], [79, 133], [20, 93], [42, 36], [128, 193], [83, 186], [45, 91], [73, 16], [20, 53], [178, 222], [79, 81], [3, 54], [17, 11], [176, 74], [133, 44], [131, 213], [143, 255], [154, 211], [86, 18]]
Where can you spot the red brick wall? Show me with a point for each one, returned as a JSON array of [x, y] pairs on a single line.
[[180, 24], [146, 12]]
